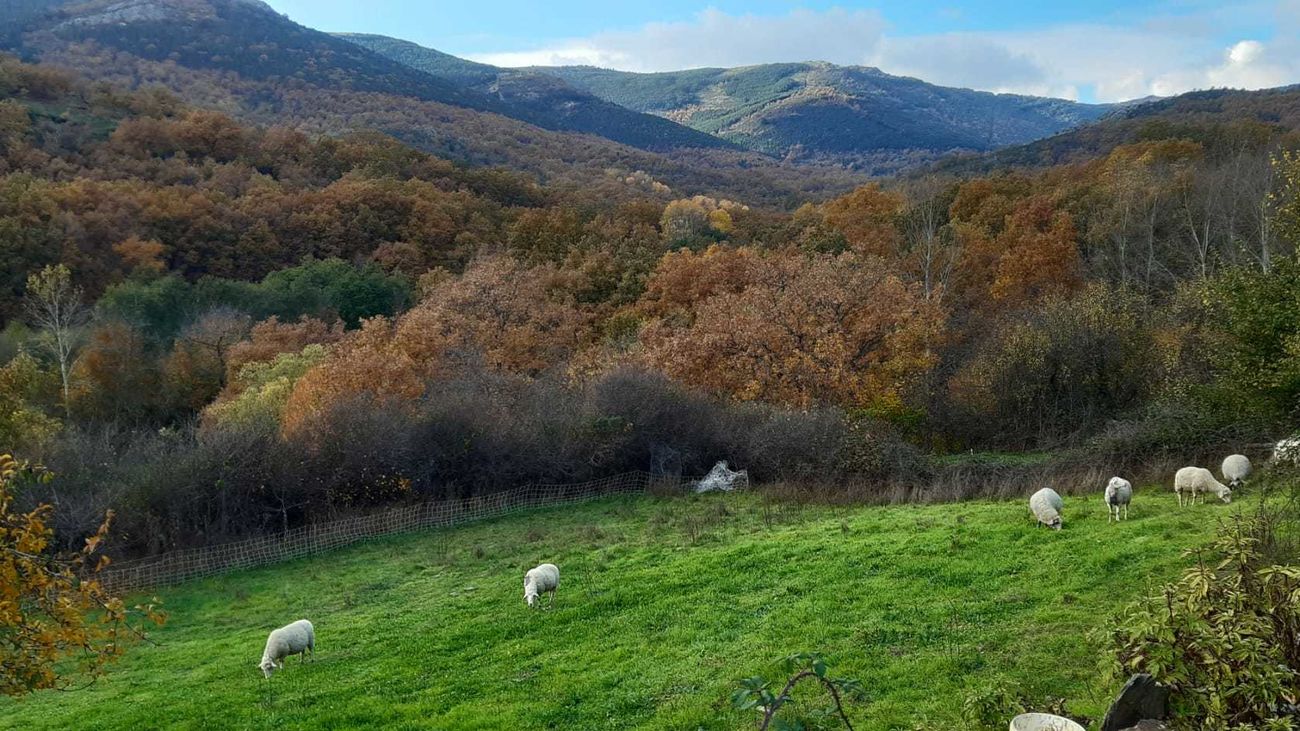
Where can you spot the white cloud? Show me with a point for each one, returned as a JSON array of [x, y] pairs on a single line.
[[715, 38], [1160, 54]]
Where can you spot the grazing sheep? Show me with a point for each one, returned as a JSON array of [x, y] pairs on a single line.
[[298, 638], [540, 580], [1119, 493], [1046, 507], [1286, 451], [1236, 468], [1199, 480]]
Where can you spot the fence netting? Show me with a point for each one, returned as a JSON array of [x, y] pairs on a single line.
[[195, 563]]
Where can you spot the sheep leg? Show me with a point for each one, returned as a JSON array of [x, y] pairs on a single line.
[[1125, 515]]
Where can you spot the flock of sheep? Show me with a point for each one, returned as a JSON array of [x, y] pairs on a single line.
[[1046, 505]]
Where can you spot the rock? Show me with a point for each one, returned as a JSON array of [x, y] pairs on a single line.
[[1149, 726], [1141, 700]]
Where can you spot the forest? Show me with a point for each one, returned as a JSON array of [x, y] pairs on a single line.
[[220, 329]]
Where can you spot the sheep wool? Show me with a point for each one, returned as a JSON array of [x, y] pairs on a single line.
[[1119, 493], [1236, 468], [1196, 480], [1046, 506], [298, 638], [541, 580]]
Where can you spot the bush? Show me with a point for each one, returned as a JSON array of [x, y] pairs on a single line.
[[477, 432], [1225, 638]]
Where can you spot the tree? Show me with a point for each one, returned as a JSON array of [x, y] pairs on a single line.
[[842, 330], [866, 217], [196, 369], [22, 383], [55, 306], [1285, 198], [54, 615]]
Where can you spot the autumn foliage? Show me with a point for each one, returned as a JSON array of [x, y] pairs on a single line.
[[54, 615]]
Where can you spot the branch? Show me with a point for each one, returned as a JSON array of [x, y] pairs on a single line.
[[784, 696]]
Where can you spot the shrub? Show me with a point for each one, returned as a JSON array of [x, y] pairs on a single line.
[[1225, 638], [777, 710]]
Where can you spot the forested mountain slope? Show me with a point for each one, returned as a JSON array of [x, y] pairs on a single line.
[[819, 110], [240, 57], [542, 99]]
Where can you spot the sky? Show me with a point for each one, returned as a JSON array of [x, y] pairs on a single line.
[[1093, 51]]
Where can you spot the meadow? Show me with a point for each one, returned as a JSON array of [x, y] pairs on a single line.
[[664, 606]]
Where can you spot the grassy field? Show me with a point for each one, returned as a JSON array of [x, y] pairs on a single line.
[[663, 606]]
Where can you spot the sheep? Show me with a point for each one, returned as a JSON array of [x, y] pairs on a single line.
[[1199, 480], [1119, 493], [1236, 468], [1046, 508], [1286, 451], [298, 638], [540, 580]]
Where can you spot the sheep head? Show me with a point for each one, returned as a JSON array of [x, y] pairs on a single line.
[[267, 666], [1226, 494], [530, 594]]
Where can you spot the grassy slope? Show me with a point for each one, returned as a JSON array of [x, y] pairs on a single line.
[[663, 606]]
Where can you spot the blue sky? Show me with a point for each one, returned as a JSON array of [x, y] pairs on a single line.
[[1102, 50]]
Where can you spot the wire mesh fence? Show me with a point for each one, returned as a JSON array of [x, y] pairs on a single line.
[[195, 563]]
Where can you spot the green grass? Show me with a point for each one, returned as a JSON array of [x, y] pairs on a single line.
[[663, 606]]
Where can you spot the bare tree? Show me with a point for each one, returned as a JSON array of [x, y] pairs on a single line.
[[55, 306], [927, 235]]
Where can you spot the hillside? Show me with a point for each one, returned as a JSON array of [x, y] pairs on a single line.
[[664, 606], [819, 110], [542, 99], [239, 57], [1214, 118]]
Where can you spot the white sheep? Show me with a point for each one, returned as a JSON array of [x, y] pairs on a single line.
[[1119, 493], [1046, 507], [298, 638], [540, 580], [1286, 451], [1199, 480], [1236, 468]]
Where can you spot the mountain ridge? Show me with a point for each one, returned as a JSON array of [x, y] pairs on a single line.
[[541, 99], [786, 109]]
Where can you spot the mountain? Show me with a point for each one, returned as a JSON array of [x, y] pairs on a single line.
[[244, 36], [820, 111], [1218, 119], [542, 99], [243, 58]]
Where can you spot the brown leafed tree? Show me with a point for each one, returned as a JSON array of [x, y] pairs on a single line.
[[515, 318], [807, 330]]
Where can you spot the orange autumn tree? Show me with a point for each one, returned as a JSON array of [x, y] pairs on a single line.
[[683, 278], [1017, 249], [512, 317], [840, 329], [54, 616], [867, 218]]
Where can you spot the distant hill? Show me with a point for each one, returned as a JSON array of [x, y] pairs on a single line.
[[243, 58], [244, 36], [542, 99], [1214, 117], [819, 110]]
